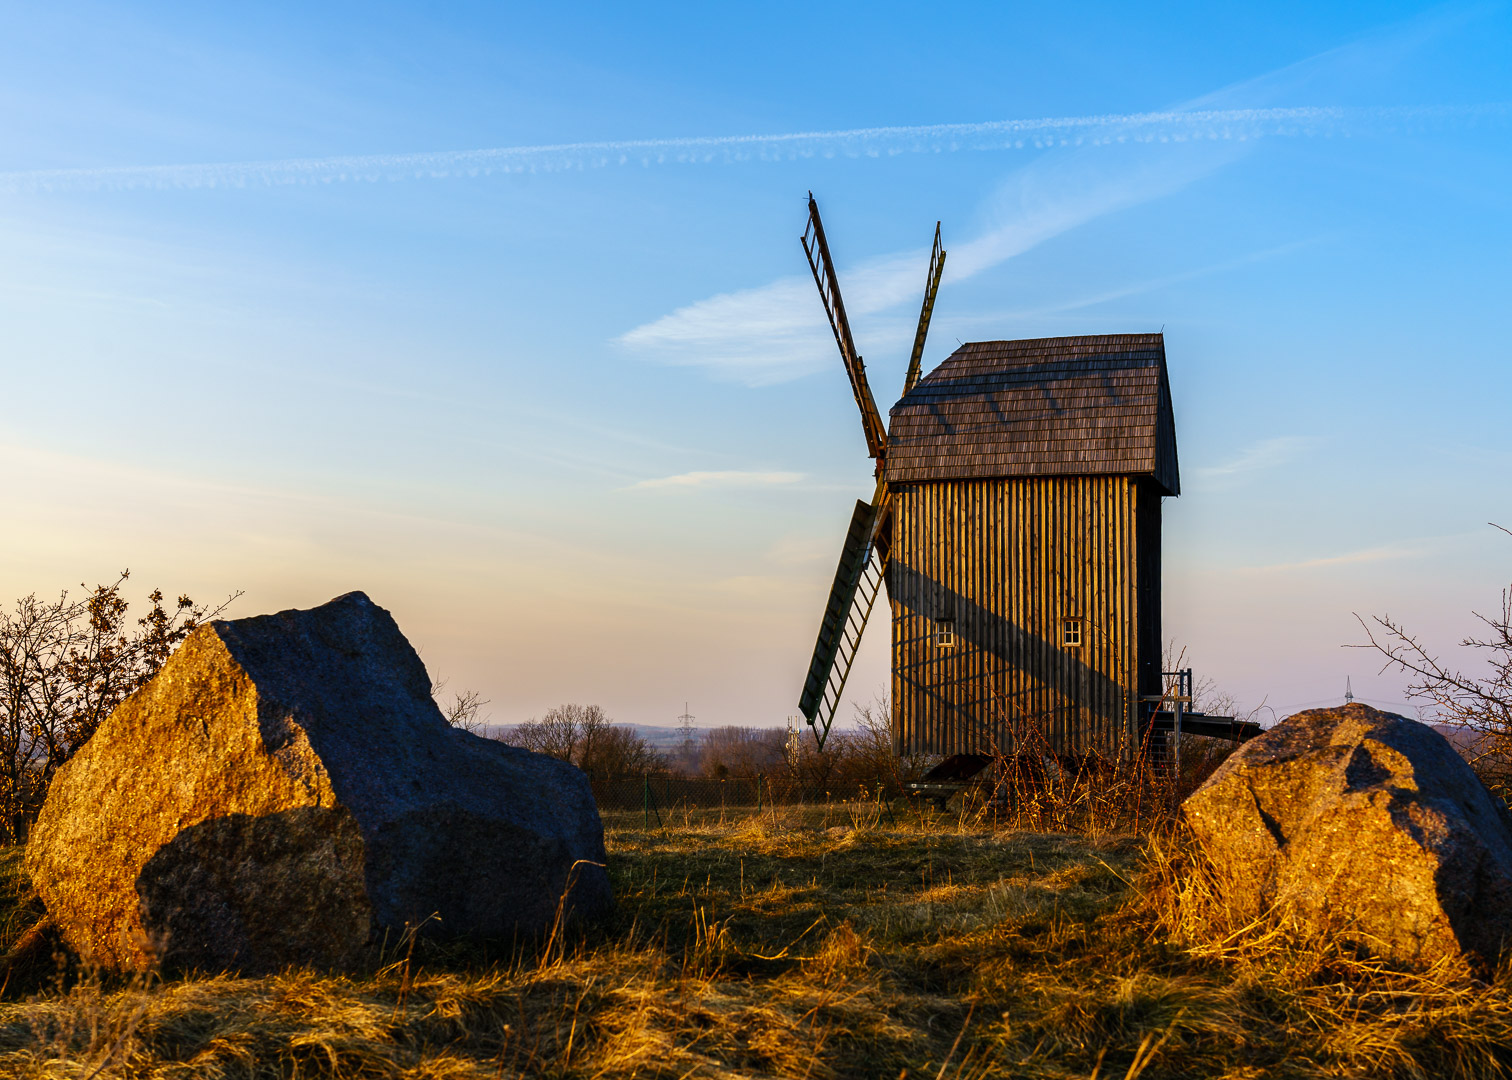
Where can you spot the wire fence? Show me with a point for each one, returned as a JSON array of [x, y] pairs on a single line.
[[654, 795], [1021, 791]]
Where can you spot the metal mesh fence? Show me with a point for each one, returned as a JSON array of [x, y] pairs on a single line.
[[650, 794]]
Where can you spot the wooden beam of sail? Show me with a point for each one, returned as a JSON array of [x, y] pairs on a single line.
[[816, 247], [858, 579], [931, 288]]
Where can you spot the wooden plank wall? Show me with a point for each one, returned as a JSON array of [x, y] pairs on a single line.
[[1151, 642], [1007, 560]]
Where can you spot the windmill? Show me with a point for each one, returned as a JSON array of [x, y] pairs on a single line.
[[863, 558], [1016, 525]]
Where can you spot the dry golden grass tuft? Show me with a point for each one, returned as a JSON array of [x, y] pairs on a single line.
[[827, 943]]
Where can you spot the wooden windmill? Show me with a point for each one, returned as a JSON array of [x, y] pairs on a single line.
[[1016, 525]]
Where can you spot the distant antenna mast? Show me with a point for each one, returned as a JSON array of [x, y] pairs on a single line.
[[1348, 692]]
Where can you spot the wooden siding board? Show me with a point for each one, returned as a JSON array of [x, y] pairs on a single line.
[[1008, 559]]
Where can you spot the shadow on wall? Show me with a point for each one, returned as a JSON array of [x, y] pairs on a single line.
[[989, 715]]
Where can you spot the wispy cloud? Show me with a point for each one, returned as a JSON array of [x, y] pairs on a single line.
[[777, 331], [1139, 287], [1175, 126], [1265, 454], [1410, 548], [767, 587], [729, 478], [1364, 555], [797, 551], [1100, 165]]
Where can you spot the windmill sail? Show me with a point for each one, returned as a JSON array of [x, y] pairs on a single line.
[[863, 560], [817, 249], [858, 579], [931, 288]]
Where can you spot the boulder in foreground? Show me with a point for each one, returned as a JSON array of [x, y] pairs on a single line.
[[285, 790], [1362, 822]]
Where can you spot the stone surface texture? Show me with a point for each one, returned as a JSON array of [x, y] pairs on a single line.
[[1362, 822], [286, 791]]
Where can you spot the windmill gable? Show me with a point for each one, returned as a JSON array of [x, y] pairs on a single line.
[[1072, 406]]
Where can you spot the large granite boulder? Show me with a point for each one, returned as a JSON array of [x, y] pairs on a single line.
[[1363, 823], [285, 791]]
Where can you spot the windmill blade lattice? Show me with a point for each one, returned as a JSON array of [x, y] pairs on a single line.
[[858, 580]]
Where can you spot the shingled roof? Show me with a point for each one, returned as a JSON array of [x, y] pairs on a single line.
[[1071, 406]]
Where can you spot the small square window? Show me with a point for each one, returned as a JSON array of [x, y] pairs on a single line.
[[1071, 633], [944, 633]]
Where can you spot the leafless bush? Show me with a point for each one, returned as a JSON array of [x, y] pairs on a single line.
[[740, 751], [1032, 784], [823, 770], [586, 737], [1132, 784], [64, 667], [873, 748], [1480, 704], [855, 759], [463, 709]]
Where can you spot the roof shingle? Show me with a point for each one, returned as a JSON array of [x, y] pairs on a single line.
[[1070, 406]]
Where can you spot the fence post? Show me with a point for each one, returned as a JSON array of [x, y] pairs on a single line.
[[648, 800], [758, 793]]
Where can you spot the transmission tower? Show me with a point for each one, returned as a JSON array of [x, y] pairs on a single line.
[[685, 725]]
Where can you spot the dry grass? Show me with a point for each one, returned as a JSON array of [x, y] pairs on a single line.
[[824, 944]]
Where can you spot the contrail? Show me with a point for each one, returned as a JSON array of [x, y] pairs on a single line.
[[1109, 129]]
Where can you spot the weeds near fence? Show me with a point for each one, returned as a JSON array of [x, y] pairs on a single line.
[[1128, 789]]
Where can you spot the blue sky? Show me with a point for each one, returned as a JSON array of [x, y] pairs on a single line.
[[572, 414]]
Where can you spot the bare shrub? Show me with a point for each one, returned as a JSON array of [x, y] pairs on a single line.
[[463, 709], [1125, 787], [740, 751], [617, 750], [873, 748], [827, 770], [64, 667]]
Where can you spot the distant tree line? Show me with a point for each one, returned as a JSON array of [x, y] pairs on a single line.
[[585, 736]]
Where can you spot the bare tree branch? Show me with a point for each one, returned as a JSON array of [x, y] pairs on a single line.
[[1480, 704]]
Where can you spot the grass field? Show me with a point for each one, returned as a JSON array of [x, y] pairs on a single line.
[[807, 944]]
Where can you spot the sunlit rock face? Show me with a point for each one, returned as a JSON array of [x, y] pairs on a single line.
[[1361, 823], [286, 791]]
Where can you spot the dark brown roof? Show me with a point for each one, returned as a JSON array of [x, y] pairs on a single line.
[[1046, 407]]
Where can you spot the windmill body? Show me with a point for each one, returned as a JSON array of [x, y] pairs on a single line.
[[1016, 529], [1023, 570]]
